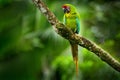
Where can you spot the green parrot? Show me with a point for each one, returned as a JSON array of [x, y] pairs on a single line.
[[71, 20]]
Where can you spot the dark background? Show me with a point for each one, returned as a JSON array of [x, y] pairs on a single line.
[[31, 50]]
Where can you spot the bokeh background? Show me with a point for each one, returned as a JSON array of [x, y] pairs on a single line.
[[31, 50]]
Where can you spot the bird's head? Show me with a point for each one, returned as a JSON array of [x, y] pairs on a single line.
[[67, 8]]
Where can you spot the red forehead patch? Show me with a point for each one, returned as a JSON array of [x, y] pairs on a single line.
[[64, 6]]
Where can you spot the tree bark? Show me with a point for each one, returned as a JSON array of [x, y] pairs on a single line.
[[65, 32]]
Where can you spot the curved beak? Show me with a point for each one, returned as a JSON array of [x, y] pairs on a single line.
[[66, 10]]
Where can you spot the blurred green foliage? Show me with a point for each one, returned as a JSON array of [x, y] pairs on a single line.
[[31, 50]]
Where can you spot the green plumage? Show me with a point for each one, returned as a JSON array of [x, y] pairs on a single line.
[[71, 20]]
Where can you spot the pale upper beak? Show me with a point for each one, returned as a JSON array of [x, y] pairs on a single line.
[[66, 10]]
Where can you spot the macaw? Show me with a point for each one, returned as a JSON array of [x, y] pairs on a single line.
[[71, 20]]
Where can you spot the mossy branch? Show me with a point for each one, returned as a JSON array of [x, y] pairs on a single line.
[[65, 32]]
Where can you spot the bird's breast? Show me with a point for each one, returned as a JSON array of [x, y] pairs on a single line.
[[71, 23]]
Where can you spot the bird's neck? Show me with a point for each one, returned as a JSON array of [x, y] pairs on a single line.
[[70, 15]]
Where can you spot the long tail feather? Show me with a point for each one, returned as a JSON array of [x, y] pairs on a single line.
[[74, 48]]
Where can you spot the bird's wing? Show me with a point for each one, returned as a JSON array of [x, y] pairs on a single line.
[[64, 19], [77, 25]]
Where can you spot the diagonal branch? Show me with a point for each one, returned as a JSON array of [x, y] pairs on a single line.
[[62, 30]]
